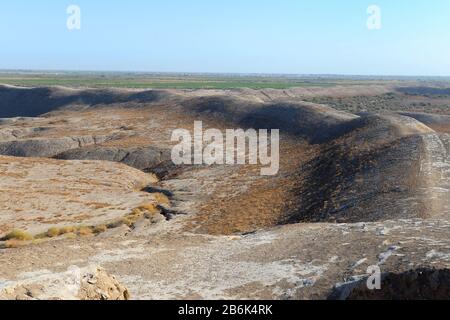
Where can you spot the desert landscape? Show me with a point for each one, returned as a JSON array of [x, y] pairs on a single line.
[[93, 207]]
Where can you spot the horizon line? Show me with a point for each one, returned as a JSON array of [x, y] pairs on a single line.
[[256, 74]]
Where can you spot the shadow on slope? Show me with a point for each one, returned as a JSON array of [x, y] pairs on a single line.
[[425, 91], [316, 123], [420, 284], [439, 123], [372, 173], [313, 122], [32, 102], [142, 158]]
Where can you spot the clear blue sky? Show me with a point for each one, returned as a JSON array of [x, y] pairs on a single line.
[[261, 36]]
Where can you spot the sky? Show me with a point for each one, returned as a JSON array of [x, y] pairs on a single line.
[[230, 36]]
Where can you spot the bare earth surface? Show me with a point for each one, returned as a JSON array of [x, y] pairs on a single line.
[[88, 190]]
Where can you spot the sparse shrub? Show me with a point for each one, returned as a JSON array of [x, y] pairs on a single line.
[[65, 230], [127, 221], [115, 224], [136, 212], [18, 235], [100, 229], [41, 236], [85, 231], [53, 232], [162, 199], [149, 208], [70, 235], [150, 215]]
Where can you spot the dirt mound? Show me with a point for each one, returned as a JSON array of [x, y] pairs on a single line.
[[440, 123], [313, 122], [219, 107], [32, 102], [140, 158], [38, 194], [375, 172], [91, 283], [427, 118], [345, 185], [379, 128], [46, 147]]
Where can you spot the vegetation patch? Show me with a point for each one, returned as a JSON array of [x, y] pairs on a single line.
[[163, 81], [18, 235], [18, 238]]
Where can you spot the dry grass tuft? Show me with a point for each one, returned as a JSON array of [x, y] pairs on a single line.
[[100, 229], [85, 231], [70, 235], [18, 235], [115, 224], [162, 199], [66, 230], [148, 208], [129, 221], [136, 212], [53, 232], [17, 238]]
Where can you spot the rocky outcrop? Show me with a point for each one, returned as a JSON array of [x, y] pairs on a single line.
[[50, 147], [14, 133], [91, 283], [139, 158]]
